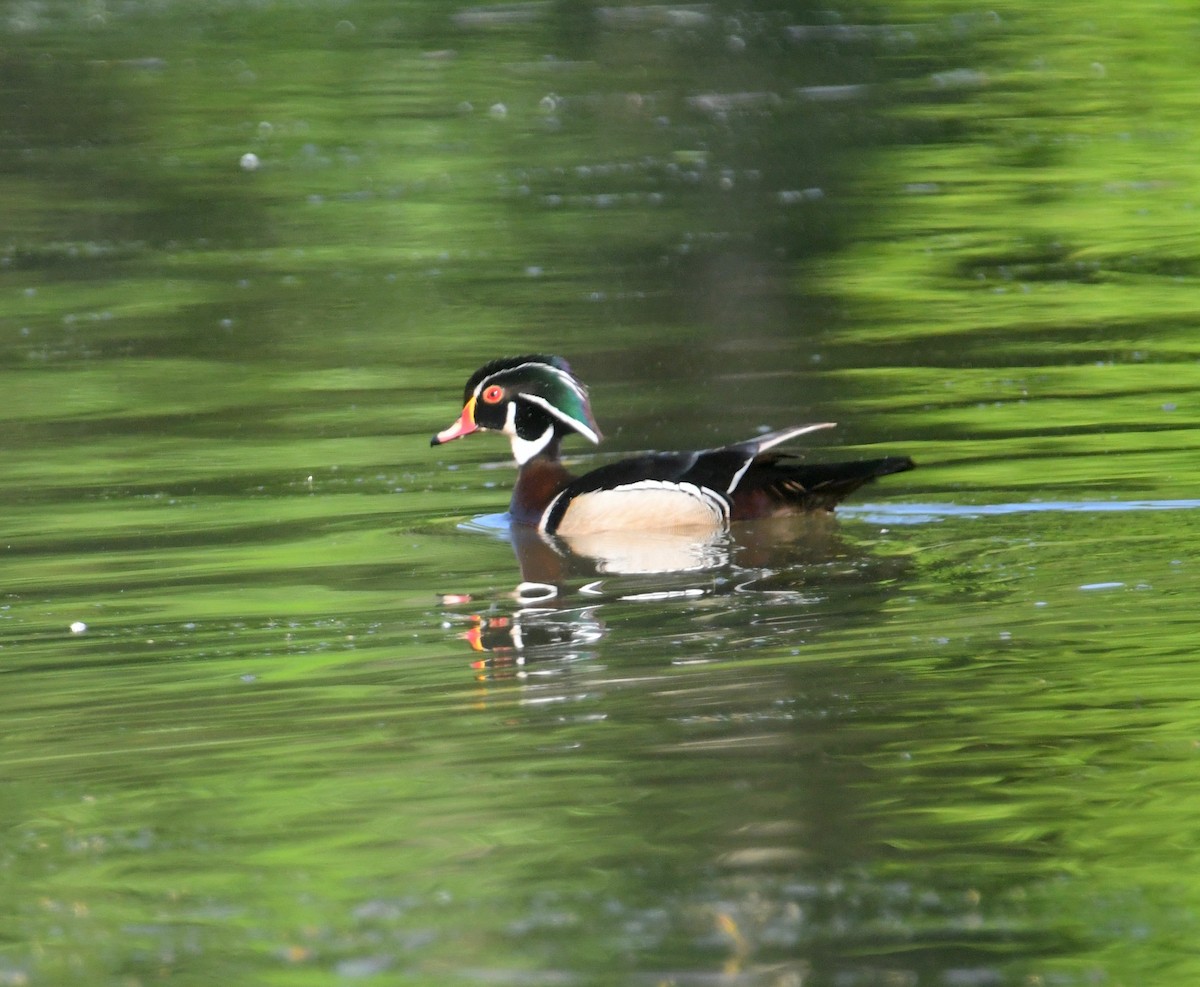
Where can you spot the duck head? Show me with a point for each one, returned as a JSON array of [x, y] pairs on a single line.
[[535, 400]]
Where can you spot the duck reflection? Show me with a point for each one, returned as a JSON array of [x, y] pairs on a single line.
[[508, 641], [779, 556], [552, 561]]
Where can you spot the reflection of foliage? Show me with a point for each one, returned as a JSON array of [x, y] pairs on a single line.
[[743, 131], [734, 113], [88, 142], [695, 156]]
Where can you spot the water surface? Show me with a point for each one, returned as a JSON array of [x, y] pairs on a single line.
[[274, 707]]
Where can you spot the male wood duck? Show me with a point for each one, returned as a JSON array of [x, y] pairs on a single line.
[[536, 401]]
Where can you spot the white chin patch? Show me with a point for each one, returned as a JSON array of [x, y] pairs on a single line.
[[525, 449], [649, 505]]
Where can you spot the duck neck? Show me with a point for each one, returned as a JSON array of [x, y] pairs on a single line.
[[539, 481]]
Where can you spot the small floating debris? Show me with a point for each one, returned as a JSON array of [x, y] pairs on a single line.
[[829, 94], [1092, 586], [501, 15], [656, 15], [789, 197], [78, 627], [959, 79], [728, 102], [150, 64], [852, 33]]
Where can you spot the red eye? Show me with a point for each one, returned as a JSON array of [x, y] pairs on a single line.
[[493, 394]]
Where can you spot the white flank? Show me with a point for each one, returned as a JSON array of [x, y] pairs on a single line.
[[647, 504]]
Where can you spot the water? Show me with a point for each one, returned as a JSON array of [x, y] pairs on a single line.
[[282, 702]]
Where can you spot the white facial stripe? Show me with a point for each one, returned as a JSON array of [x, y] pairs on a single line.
[[566, 419], [562, 375]]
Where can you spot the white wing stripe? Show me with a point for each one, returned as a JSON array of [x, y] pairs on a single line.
[[737, 477], [772, 439]]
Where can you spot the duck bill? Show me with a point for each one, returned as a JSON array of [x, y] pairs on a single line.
[[464, 426]]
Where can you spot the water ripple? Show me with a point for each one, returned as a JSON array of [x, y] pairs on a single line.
[[927, 513]]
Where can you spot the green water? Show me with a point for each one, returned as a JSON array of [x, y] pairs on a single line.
[[951, 739]]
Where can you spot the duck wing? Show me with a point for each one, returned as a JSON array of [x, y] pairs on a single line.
[[772, 485], [661, 489]]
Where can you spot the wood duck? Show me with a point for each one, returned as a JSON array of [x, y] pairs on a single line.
[[536, 401]]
